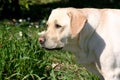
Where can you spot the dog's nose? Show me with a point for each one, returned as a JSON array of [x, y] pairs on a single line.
[[41, 40]]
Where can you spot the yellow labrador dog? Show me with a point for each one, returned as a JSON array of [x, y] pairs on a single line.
[[93, 35]]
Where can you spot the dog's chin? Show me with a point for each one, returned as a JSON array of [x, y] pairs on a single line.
[[53, 48]]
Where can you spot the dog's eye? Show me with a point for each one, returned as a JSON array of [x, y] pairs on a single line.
[[57, 26]]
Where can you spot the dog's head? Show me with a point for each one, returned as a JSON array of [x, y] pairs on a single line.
[[63, 23]]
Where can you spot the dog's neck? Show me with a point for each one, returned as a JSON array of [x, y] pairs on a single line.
[[81, 40], [71, 44], [79, 45]]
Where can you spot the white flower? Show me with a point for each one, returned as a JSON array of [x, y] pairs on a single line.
[[41, 33], [30, 26], [20, 33], [36, 26], [20, 20], [31, 23], [28, 18], [43, 21]]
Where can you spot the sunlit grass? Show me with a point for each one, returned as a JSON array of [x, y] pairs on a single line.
[[21, 57]]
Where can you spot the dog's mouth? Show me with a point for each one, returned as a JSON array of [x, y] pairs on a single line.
[[52, 48]]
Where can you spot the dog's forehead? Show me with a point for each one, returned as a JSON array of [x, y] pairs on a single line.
[[57, 14]]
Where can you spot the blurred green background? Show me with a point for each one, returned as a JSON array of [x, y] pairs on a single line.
[[39, 9]]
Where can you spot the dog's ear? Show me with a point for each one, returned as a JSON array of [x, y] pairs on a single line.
[[78, 20]]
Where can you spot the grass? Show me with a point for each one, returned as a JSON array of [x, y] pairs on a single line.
[[22, 58]]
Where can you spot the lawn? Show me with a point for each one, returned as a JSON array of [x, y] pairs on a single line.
[[22, 58]]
